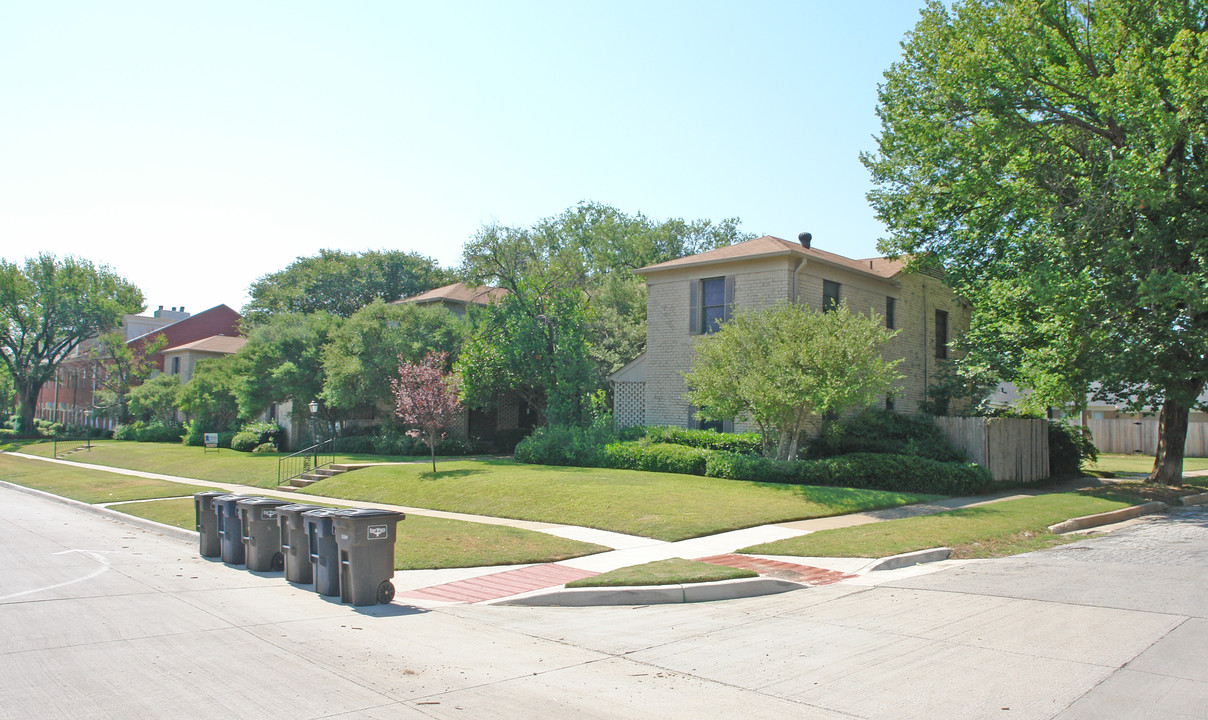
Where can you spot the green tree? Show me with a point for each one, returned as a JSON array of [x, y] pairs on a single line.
[[340, 283], [534, 345], [579, 262], [363, 354], [283, 361], [125, 367], [156, 399], [48, 307], [1052, 157], [786, 366], [210, 398]]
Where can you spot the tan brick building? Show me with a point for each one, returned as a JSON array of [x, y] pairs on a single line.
[[687, 296]]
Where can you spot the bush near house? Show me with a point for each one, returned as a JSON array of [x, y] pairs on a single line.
[[1069, 447], [704, 439], [882, 431], [153, 431], [885, 471], [195, 435], [255, 434]]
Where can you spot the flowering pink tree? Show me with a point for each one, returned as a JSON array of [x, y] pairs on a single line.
[[426, 398]]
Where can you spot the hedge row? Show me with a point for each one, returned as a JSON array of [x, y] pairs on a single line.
[[902, 473], [704, 439]]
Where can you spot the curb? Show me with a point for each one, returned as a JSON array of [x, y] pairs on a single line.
[[167, 530], [1201, 499], [652, 594], [1107, 518], [918, 557]]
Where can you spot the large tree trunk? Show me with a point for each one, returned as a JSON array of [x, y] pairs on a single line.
[[1172, 436], [27, 395]]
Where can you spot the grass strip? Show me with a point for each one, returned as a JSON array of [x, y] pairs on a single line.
[[423, 542], [90, 486], [674, 571], [225, 465], [991, 530], [665, 506], [1114, 463]]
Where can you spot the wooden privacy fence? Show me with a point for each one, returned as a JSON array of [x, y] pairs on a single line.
[[1141, 436], [1015, 449]]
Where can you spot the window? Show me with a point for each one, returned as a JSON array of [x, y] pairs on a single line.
[[709, 303], [697, 423], [890, 306], [830, 295], [941, 335], [175, 366]]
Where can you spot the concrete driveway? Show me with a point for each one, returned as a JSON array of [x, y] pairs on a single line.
[[100, 619]]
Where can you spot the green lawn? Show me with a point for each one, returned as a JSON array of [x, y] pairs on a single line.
[[424, 542], [665, 506], [1139, 464], [90, 486], [175, 459], [991, 530], [675, 571]]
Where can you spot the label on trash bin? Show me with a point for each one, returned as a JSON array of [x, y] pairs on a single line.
[[268, 513], [378, 532]]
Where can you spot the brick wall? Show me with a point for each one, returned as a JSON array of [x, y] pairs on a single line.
[[762, 282]]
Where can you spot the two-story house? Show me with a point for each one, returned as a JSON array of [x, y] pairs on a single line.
[[689, 296]]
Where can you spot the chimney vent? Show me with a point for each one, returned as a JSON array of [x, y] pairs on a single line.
[[805, 238]]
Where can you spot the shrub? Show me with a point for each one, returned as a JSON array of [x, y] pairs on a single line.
[[657, 457], [564, 445], [704, 439], [739, 466], [245, 441], [900, 473], [1069, 447], [882, 431], [195, 435], [455, 447], [389, 441], [149, 432], [264, 449], [362, 444]]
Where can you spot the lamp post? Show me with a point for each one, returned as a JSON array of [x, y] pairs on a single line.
[[314, 436]]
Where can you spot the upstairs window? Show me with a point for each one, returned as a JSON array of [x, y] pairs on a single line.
[[890, 306], [941, 335], [709, 304], [830, 295]]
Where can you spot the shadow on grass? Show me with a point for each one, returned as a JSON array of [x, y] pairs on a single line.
[[450, 474]]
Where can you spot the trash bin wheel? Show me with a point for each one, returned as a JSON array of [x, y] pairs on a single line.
[[278, 562], [385, 592]]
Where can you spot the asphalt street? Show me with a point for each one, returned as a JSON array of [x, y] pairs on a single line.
[[100, 619]]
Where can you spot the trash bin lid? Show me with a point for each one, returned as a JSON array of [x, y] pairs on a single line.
[[299, 508], [264, 502], [367, 513], [229, 498], [210, 493]]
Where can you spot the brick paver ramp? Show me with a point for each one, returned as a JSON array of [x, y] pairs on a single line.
[[804, 574], [500, 584]]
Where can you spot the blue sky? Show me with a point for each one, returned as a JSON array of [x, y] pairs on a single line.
[[198, 146]]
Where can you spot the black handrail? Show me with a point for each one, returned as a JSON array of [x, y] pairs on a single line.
[[307, 460], [67, 445]]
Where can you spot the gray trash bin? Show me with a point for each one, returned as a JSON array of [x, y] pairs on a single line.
[[207, 522], [321, 547], [294, 545], [230, 533], [365, 537], [261, 534]]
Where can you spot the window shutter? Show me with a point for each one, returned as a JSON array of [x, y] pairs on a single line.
[[729, 296], [694, 307]]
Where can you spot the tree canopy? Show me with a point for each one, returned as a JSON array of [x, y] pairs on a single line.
[[786, 366], [340, 283], [363, 355], [48, 306], [283, 361], [573, 300], [1052, 157]]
